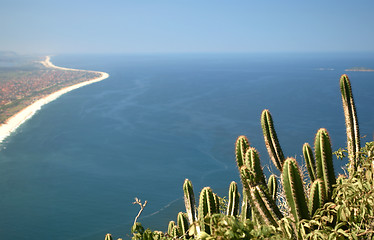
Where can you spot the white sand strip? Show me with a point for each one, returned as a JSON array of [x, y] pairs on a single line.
[[16, 120]]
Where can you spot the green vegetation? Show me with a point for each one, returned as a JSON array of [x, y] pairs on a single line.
[[322, 207]]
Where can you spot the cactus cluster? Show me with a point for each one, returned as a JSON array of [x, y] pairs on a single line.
[[259, 200], [320, 168], [259, 197], [262, 195]]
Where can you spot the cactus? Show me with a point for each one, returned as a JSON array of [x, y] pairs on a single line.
[[189, 201], [294, 190], [271, 140], [246, 209], [310, 162], [351, 122], [273, 186], [216, 201], [108, 236], [207, 207], [246, 175], [175, 232], [316, 196], [183, 225], [241, 147], [171, 227], [233, 204], [252, 161], [324, 164], [259, 196], [264, 206]]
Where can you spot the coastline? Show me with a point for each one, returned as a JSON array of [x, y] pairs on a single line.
[[19, 118], [357, 70]]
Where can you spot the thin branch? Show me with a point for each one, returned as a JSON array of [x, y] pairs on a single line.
[[142, 206]]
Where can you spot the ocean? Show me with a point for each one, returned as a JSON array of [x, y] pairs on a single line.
[[73, 170]]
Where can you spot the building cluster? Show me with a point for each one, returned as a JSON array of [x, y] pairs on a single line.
[[25, 87], [36, 84]]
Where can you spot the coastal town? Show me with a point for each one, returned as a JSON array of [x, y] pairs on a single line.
[[23, 84]]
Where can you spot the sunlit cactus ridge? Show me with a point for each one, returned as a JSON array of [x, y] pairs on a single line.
[[351, 121], [293, 187], [233, 201], [271, 139], [324, 161], [310, 161]]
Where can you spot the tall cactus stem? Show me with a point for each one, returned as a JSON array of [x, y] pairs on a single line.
[[246, 176], [324, 161], [207, 207], [252, 161], [273, 186], [176, 234], [241, 146], [246, 209], [351, 122], [316, 196], [264, 206], [294, 190], [189, 201], [108, 236], [233, 203], [271, 139], [310, 161], [216, 201], [183, 225], [171, 228]]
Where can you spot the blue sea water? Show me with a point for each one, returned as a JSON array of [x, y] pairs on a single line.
[[73, 170]]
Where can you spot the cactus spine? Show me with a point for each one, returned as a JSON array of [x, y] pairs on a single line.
[[316, 196], [233, 204], [241, 147], [294, 190], [351, 122], [325, 167], [310, 162], [271, 139], [183, 225], [273, 186]]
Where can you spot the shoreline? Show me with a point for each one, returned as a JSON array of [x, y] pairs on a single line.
[[353, 70], [22, 116]]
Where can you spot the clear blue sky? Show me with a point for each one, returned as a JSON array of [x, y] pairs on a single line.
[[141, 26]]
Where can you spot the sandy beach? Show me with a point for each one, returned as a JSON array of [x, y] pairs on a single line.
[[16, 120]]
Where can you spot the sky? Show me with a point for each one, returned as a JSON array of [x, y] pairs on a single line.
[[186, 26]]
